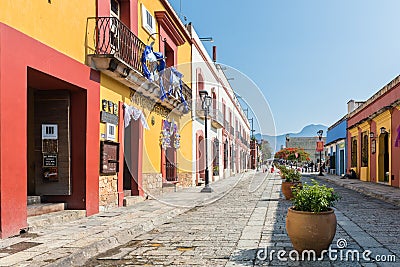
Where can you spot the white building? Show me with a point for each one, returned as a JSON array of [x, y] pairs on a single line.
[[228, 127]]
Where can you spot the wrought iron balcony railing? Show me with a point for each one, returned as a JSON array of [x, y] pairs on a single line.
[[113, 49], [217, 117], [232, 130], [109, 36], [226, 125]]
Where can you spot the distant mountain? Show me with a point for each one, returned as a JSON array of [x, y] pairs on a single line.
[[280, 140]]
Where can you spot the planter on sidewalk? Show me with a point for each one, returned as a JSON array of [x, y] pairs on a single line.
[[287, 188], [292, 180], [311, 222]]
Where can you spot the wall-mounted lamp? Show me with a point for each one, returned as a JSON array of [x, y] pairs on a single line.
[[383, 130], [371, 135]]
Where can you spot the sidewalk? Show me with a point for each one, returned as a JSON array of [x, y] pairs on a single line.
[[380, 191], [72, 243]]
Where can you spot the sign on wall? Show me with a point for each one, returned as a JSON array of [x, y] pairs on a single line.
[[320, 146]]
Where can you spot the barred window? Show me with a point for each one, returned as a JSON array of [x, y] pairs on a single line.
[[354, 151], [364, 149]]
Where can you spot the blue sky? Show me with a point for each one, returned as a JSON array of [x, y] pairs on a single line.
[[308, 57]]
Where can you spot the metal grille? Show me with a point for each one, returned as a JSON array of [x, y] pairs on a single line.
[[170, 172], [109, 36]]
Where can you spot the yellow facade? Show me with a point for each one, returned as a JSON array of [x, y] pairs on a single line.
[[151, 147], [37, 19]]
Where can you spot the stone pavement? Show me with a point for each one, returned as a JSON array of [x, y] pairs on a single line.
[[380, 191], [71, 243], [247, 228], [211, 235], [241, 224]]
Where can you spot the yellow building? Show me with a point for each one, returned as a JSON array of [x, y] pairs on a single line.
[[145, 114]]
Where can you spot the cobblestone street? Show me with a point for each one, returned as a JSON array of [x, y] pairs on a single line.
[[249, 221]]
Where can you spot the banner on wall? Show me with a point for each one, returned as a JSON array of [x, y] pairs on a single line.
[[169, 135], [320, 146]]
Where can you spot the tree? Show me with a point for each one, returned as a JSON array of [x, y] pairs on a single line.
[[266, 150], [292, 153]]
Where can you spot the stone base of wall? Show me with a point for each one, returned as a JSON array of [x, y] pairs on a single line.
[[152, 184], [108, 192], [184, 179]]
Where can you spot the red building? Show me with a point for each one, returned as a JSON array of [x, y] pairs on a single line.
[[49, 114]]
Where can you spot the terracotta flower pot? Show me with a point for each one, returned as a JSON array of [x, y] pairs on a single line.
[[311, 230], [287, 189]]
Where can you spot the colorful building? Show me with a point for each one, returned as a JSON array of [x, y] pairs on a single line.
[[373, 136], [49, 115], [228, 127], [139, 48], [336, 147], [96, 106]]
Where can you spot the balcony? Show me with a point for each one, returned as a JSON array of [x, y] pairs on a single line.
[[217, 118], [114, 50], [214, 115], [226, 125]]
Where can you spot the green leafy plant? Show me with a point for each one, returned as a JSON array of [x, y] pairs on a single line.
[[292, 176], [215, 170], [289, 174], [314, 197]]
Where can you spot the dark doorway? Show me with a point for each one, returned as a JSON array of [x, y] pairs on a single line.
[[52, 101], [341, 162], [383, 158], [131, 157]]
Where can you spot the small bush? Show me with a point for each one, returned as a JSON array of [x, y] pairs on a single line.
[[314, 198]]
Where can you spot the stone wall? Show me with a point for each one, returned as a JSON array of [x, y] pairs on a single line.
[[152, 184], [108, 192], [185, 179]]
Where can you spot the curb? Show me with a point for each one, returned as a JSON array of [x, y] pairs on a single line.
[[363, 191]]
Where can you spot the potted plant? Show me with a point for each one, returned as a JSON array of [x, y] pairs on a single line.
[[215, 170], [292, 180], [311, 221], [282, 170]]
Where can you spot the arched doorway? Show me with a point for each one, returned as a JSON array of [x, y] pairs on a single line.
[[200, 177], [215, 158]]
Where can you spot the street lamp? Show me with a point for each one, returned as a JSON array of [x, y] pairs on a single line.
[[205, 105], [287, 140], [320, 132]]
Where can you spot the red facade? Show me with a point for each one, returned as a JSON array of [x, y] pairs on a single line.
[[31, 64]]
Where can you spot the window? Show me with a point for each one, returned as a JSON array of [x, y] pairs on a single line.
[[364, 149], [114, 8], [148, 21], [114, 26], [226, 154], [354, 151]]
